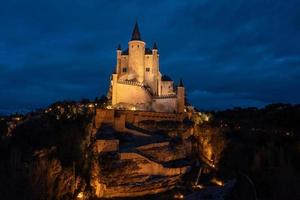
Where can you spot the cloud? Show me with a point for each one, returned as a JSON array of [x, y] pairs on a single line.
[[217, 101], [240, 53]]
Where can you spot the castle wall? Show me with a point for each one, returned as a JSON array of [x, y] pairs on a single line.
[[180, 99], [119, 117], [136, 116], [131, 94], [165, 105], [104, 116], [149, 62], [102, 146], [147, 166], [119, 123], [163, 152], [124, 63], [167, 87]]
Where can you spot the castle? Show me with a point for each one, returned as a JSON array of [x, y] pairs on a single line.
[[137, 83]]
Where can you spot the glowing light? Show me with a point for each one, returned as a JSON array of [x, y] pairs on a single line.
[[198, 186], [179, 196], [133, 108], [206, 118], [17, 118], [91, 105], [217, 182], [80, 195], [108, 107]]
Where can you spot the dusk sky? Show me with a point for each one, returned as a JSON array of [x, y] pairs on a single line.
[[228, 53]]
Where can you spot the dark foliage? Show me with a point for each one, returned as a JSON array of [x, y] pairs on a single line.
[[40, 134], [264, 145]]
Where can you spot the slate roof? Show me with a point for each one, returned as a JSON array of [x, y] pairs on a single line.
[[136, 35], [125, 52], [166, 78], [148, 51]]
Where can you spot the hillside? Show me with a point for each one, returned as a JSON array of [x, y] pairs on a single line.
[[59, 154]]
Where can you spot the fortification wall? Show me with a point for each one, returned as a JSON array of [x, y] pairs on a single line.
[[165, 105], [101, 146], [136, 116], [165, 152], [148, 167], [132, 94], [104, 116], [119, 117], [153, 145]]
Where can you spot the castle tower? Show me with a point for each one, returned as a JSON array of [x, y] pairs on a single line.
[[136, 48], [155, 67], [180, 97], [114, 89], [118, 65], [137, 82]]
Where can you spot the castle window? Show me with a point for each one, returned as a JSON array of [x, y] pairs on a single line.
[[124, 69], [147, 69], [138, 46]]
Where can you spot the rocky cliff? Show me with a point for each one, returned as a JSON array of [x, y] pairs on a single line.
[[67, 157]]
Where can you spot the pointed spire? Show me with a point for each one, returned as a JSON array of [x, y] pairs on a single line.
[[136, 35], [155, 46], [180, 83], [119, 47]]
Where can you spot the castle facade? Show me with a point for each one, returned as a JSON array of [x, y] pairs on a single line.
[[137, 83]]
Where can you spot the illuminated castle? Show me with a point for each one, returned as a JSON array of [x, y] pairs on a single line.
[[137, 83]]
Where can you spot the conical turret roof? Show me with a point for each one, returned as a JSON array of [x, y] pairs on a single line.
[[136, 35], [181, 83], [155, 46]]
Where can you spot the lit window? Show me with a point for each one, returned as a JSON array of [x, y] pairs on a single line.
[[147, 69], [124, 69]]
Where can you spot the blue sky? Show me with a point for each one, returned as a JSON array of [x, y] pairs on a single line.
[[229, 53]]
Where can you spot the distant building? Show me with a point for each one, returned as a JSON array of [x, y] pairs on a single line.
[[137, 83]]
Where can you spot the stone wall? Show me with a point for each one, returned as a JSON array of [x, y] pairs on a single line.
[[165, 104], [119, 123], [148, 167], [135, 117], [132, 94], [164, 152], [167, 87], [119, 117], [104, 116], [153, 145], [102, 146]]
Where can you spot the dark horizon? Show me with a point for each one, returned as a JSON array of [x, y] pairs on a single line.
[[229, 55]]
